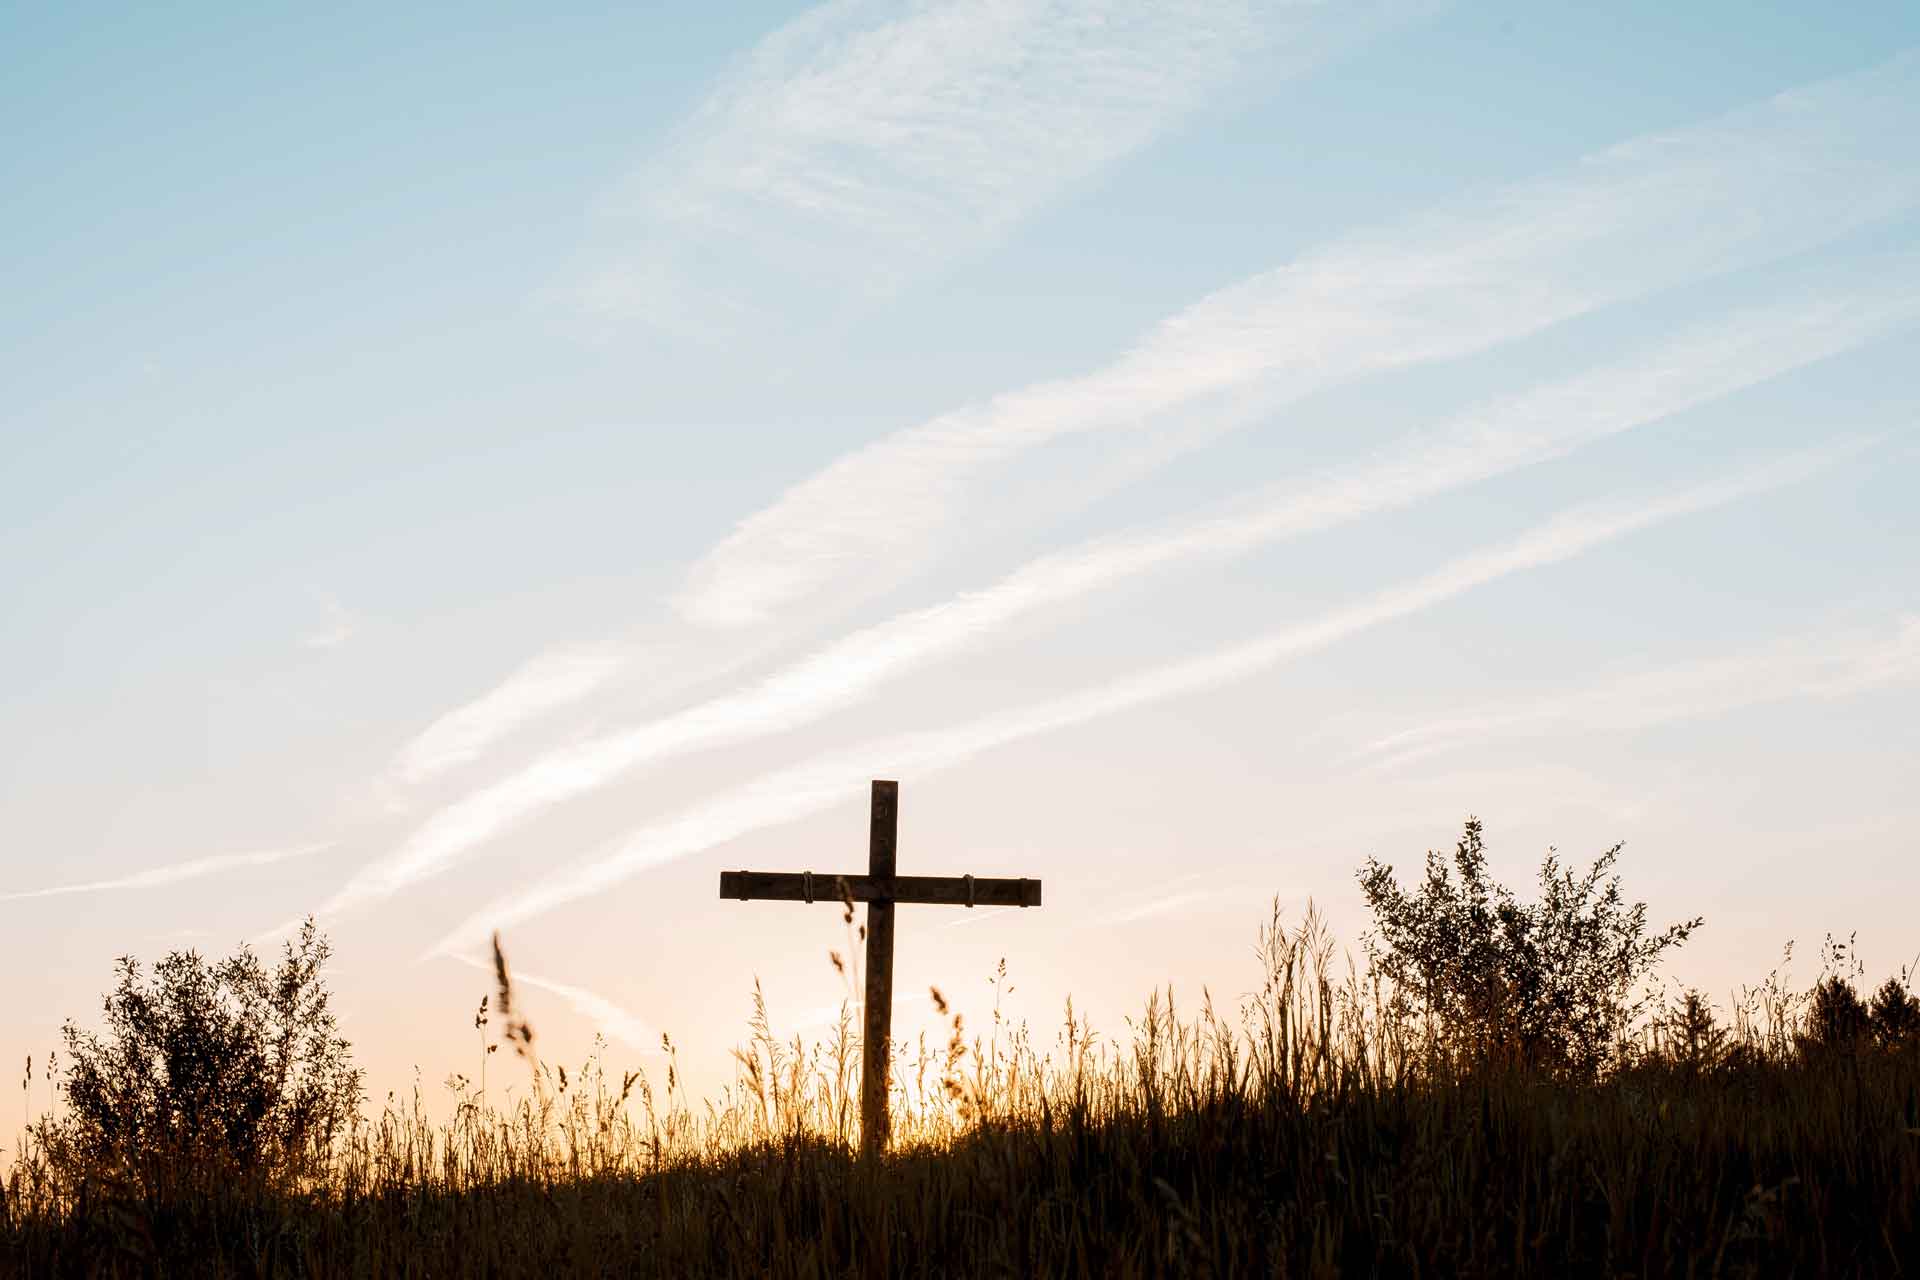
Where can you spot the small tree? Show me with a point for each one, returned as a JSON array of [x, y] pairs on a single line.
[[1691, 1038], [1895, 1015], [1837, 1019], [227, 1065], [1549, 983]]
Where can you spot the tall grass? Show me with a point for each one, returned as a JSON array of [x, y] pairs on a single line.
[[1307, 1131]]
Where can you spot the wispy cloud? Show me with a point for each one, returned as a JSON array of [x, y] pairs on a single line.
[[814, 786], [605, 1016], [1647, 214], [1169, 898], [336, 630], [863, 144], [669, 664], [979, 917], [1733, 352], [1828, 664], [544, 684], [173, 873]]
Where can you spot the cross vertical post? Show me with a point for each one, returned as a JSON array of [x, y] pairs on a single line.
[[882, 842]]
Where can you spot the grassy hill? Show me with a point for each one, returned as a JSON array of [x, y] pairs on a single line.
[[1319, 1129]]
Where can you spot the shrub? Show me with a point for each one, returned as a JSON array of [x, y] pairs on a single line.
[[1895, 1015], [1547, 983], [209, 1066]]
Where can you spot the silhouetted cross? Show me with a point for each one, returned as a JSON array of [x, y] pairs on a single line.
[[880, 888]]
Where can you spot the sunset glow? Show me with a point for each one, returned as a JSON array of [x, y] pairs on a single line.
[[466, 473]]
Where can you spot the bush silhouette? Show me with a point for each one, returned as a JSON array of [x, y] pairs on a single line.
[[225, 1066], [1837, 1018], [1547, 983], [1895, 1015]]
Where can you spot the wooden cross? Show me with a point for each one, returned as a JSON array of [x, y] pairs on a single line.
[[880, 888]]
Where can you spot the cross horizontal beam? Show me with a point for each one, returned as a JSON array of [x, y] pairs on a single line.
[[817, 886]]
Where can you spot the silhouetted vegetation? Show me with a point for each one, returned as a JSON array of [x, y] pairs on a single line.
[[1337, 1121], [1894, 1016], [1549, 984], [1840, 1021], [218, 1070]]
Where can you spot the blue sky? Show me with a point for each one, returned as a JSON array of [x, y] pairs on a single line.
[[471, 467]]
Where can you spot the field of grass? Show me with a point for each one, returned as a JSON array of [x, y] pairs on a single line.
[[1311, 1131]]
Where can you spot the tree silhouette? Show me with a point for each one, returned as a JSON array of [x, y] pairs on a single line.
[[1837, 1018], [1691, 1038], [1895, 1015], [1547, 983], [226, 1065]]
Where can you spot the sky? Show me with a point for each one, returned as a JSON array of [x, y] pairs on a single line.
[[473, 469]]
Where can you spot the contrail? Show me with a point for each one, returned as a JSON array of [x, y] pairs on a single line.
[[173, 873], [1798, 169], [561, 677], [808, 788], [1827, 664], [548, 681], [1756, 185], [1699, 365]]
